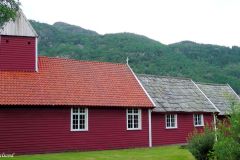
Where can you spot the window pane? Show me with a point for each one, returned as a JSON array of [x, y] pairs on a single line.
[[135, 121], [135, 125], [75, 117], [172, 121], [75, 127], [130, 110], [135, 110], [82, 110], [198, 119], [168, 121], [75, 110], [130, 121]]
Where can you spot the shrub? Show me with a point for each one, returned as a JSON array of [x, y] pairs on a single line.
[[201, 144], [228, 145], [227, 149]]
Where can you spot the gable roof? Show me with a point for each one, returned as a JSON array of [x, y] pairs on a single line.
[[172, 94], [20, 27], [72, 82], [221, 95]]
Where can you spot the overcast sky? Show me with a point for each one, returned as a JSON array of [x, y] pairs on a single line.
[[167, 21]]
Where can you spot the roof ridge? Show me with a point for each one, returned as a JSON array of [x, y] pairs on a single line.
[[212, 84], [159, 76], [77, 60]]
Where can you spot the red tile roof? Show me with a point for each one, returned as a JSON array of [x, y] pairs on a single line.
[[72, 82]]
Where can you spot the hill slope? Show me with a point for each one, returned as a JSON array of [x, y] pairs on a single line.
[[201, 62]]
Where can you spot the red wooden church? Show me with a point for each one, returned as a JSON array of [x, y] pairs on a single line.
[[53, 104]]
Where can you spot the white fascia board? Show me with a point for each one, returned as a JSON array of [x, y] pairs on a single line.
[[206, 96], [142, 86]]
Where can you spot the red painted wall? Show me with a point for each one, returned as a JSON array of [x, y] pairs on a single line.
[[17, 53], [40, 130], [222, 118], [163, 136]]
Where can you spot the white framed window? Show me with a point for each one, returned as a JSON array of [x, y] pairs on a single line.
[[79, 119], [171, 121], [198, 120], [134, 119]]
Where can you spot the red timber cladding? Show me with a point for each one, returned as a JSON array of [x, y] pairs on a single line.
[[42, 130], [17, 53], [222, 117], [163, 136]]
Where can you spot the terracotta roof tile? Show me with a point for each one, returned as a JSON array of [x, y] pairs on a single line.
[[72, 82]]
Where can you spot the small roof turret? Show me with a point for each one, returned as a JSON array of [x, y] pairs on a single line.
[[20, 27]]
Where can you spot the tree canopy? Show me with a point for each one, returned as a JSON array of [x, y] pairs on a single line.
[[8, 10]]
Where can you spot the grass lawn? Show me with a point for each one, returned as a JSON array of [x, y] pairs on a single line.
[[155, 153]]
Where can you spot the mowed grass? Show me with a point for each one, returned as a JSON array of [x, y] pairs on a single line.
[[155, 153]]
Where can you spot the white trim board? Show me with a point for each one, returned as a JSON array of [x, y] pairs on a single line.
[[141, 86], [206, 96], [233, 91]]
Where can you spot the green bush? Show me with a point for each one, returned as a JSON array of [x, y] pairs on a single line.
[[201, 144], [227, 149], [228, 145]]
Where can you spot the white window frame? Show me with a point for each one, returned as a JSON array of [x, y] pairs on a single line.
[[86, 119], [202, 120], [139, 119], [175, 121]]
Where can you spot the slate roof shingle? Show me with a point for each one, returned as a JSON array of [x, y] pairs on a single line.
[[71, 82], [171, 94], [221, 95]]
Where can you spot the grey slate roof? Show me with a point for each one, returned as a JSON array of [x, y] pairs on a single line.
[[221, 95], [172, 94]]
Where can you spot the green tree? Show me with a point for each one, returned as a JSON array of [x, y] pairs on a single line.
[[8, 10]]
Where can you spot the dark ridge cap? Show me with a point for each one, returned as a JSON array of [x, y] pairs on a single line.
[[211, 84], [75, 60], [159, 76]]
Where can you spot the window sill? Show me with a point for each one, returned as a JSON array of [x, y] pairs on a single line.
[[84, 130], [198, 125], [134, 129], [171, 128]]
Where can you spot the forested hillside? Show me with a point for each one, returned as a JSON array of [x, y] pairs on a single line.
[[201, 62]]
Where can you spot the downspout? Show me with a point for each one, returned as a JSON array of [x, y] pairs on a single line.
[[215, 126], [149, 110], [150, 127], [36, 54]]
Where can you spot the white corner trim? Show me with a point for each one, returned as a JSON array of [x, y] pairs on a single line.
[[206, 96], [141, 86], [234, 91], [150, 127], [36, 54]]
